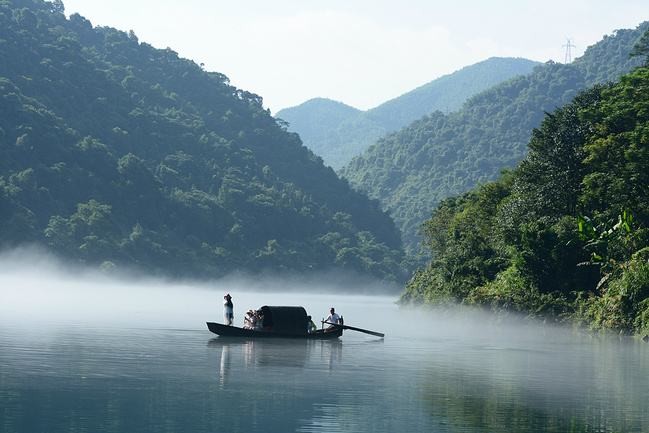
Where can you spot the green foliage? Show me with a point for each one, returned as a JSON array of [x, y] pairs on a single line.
[[443, 155], [641, 48], [512, 291], [338, 132], [618, 151], [564, 235], [114, 152], [624, 304], [459, 237], [608, 246]]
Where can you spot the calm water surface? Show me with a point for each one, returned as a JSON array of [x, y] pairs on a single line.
[[143, 361]]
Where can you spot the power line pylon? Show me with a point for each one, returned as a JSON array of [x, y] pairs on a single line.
[[568, 46]]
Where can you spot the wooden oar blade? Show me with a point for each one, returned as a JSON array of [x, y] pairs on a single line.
[[376, 334], [352, 328]]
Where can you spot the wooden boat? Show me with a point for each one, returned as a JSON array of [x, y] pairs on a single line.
[[278, 322]]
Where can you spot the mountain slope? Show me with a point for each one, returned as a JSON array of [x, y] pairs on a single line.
[[332, 129], [114, 152], [448, 93], [337, 132], [318, 117], [440, 155]]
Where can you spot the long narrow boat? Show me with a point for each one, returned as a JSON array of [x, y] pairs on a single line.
[[278, 322], [234, 331]]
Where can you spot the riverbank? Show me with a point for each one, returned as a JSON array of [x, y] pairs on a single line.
[[621, 306]]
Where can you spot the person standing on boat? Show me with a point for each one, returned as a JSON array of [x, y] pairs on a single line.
[[333, 318], [228, 309]]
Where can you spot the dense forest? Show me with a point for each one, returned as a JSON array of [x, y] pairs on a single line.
[[338, 132], [115, 153], [566, 233], [442, 155]]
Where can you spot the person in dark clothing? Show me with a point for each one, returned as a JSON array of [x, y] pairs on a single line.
[[228, 309]]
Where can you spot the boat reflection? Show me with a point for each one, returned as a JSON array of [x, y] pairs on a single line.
[[224, 365], [238, 354], [331, 352]]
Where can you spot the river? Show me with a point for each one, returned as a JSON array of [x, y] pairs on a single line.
[[133, 357]]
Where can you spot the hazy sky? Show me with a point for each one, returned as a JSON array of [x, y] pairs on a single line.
[[361, 52]]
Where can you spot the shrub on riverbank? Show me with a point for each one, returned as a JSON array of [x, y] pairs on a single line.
[[623, 304]]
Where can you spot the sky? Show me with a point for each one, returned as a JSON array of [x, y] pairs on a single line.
[[360, 52]]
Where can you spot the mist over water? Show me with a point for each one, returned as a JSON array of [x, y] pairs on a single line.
[[39, 287], [83, 351]]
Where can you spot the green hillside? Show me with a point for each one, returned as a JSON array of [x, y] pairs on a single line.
[[318, 116], [565, 234], [450, 92], [332, 129], [337, 132], [440, 155], [113, 152]]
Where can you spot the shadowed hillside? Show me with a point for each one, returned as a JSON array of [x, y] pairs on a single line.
[[113, 152]]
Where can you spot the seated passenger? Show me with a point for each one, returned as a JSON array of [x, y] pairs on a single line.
[[250, 320], [259, 319], [310, 326]]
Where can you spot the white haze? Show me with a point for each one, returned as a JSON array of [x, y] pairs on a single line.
[[36, 288]]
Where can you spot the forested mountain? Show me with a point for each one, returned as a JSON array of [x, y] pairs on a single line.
[[450, 92], [565, 234], [113, 152], [338, 132], [442, 155], [318, 116], [331, 129]]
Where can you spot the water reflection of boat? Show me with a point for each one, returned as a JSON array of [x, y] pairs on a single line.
[[248, 353], [278, 322]]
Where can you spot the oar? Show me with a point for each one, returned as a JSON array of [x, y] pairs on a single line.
[[351, 328]]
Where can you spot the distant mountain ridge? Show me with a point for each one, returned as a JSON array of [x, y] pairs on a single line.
[[117, 154], [338, 132], [440, 155]]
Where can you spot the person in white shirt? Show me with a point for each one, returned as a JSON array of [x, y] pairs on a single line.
[[332, 318]]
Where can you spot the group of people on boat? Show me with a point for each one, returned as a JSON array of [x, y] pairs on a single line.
[[254, 319]]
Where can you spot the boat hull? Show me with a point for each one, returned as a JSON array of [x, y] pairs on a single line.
[[233, 331]]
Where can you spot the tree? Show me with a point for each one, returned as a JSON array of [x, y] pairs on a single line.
[[641, 48], [57, 6]]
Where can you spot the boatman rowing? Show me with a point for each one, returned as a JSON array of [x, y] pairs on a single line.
[[333, 318]]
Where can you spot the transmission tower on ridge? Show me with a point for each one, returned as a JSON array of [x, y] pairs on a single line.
[[568, 46]]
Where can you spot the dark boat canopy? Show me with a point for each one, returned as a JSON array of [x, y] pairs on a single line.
[[290, 320]]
